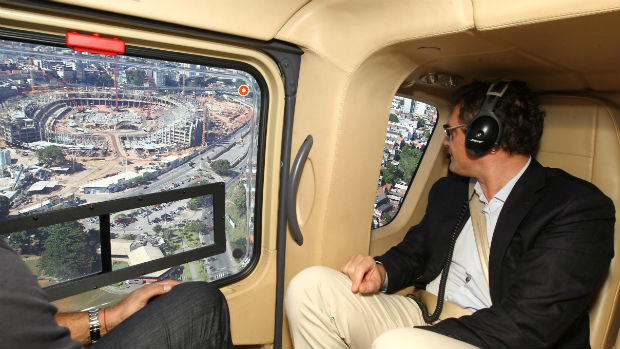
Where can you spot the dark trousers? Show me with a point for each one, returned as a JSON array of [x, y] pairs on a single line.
[[191, 315]]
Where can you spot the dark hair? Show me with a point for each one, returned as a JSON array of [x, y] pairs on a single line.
[[518, 111]]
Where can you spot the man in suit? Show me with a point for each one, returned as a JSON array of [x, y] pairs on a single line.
[[550, 237]]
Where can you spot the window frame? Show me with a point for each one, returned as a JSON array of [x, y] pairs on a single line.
[[275, 50], [103, 210]]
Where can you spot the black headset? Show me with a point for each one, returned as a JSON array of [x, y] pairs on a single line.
[[484, 131]]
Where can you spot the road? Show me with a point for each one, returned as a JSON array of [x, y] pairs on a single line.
[[218, 266]]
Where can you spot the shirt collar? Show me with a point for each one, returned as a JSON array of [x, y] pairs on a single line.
[[502, 194]]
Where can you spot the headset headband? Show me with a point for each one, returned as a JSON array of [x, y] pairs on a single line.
[[494, 93]]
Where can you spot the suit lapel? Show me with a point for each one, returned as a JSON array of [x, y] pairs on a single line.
[[519, 202]]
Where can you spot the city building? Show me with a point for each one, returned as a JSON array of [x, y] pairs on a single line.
[[5, 157], [120, 249], [145, 254], [42, 187], [16, 128], [110, 184]]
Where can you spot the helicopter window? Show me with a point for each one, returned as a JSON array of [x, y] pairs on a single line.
[[409, 129], [80, 128]]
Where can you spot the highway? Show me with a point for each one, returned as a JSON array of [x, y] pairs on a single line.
[[231, 148]]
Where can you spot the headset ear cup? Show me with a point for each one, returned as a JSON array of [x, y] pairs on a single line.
[[483, 132]]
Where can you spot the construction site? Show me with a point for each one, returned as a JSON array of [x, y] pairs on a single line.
[[105, 131]]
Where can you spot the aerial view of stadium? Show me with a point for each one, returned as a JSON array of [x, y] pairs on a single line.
[[80, 128]]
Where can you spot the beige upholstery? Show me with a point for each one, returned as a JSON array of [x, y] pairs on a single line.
[[582, 137]]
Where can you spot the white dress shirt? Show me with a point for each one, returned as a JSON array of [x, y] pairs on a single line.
[[466, 285]]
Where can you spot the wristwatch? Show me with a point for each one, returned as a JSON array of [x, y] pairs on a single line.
[[93, 325]]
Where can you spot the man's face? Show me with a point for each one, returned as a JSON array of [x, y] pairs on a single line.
[[460, 161]]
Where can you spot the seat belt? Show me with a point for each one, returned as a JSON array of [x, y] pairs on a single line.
[[479, 224]]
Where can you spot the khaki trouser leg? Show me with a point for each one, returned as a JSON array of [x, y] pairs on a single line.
[[324, 313], [416, 338]]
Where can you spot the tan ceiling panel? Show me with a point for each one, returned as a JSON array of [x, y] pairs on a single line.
[[250, 18], [489, 14], [586, 44], [347, 32]]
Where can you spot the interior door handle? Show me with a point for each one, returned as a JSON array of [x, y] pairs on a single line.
[[292, 186]]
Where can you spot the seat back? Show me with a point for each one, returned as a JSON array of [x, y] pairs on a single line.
[[582, 137]]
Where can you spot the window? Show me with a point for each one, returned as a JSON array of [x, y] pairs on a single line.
[[79, 128], [409, 129]]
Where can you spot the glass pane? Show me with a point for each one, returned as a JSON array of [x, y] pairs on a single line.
[[59, 252], [408, 132], [79, 128]]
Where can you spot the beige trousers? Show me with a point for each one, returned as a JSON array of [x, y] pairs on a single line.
[[323, 313]]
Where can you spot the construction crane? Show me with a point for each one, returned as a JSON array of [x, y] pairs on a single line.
[[149, 100], [205, 126], [31, 75], [116, 82]]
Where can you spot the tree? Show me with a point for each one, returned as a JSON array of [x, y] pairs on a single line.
[[385, 217], [5, 203], [104, 79], [389, 173], [51, 155], [157, 229], [240, 202], [421, 121], [136, 77], [393, 117], [194, 204], [19, 240], [220, 166], [409, 161], [66, 253], [195, 226]]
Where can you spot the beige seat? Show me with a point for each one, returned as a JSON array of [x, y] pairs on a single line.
[[582, 137]]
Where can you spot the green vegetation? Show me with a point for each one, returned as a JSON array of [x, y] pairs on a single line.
[[220, 166], [409, 161], [145, 177], [389, 173], [188, 232], [4, 206], [28, 242], [239, 201], [237, 236], [19, 240], [68, 252], [386, 217], [51, 155], [199, 202], [393, 117], [421, 121], [104, 79], [116, 265], [136, 77]]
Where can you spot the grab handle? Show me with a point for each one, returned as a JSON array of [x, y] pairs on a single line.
[[291, 189]]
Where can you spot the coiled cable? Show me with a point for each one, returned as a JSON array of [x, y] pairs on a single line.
[[431, 318]]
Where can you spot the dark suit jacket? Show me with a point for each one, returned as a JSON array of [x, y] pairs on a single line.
[[551, 249]]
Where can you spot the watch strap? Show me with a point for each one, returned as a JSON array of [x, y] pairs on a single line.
[[94, 325]]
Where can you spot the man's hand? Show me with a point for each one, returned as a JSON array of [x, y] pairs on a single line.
[[367, 276], [77, 323], [135, 301]]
